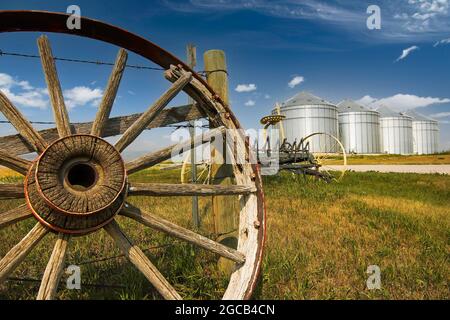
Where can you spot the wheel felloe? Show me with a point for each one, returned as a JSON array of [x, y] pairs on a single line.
[[77, 185]]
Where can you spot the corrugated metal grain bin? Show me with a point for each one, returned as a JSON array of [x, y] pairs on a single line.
[[307, 114], [425, 133], [359, 128], [396, 132]]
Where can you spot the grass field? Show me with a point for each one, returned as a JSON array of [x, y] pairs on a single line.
[[392, 159], [321, 239]]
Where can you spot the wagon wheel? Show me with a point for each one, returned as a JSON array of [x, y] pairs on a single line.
[[202, 175], [331, 159], [78, 183]]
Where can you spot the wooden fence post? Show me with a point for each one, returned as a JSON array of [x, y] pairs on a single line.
[[192, 62], [224, 209]]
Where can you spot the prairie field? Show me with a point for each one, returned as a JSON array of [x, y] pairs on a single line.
[[392, 159], [321, 238]]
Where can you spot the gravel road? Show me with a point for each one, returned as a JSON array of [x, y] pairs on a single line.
[[440, 168]]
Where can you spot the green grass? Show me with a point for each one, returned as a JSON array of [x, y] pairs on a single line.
[[321, 239], [392, 159]]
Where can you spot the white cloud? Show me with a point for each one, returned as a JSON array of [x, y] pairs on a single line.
[[442, 42], [80, 96], [366, 100], [267, 96], [6, 81], [250, 103], [32, 99], [246, 87], [296, 81], [407, 52], [403, 102], [440, 115], [403, 20], [21, 93]]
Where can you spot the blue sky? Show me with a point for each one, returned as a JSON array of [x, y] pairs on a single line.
[[274, 50]]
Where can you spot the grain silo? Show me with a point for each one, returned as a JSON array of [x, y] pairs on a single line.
[[396, 132], [359, 128], [307, 114], [425, 133]]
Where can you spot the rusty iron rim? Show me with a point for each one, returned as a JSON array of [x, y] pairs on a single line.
[[44, 21], [80, 232], [55, 207]]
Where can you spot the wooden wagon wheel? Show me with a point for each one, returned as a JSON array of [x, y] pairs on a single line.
[[78, 183], [203, 172], [331, 160]]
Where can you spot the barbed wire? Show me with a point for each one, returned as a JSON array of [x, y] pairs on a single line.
[[203, 73], [178, 126], [87, 285], [119, 256], [32, 122], [96, 62]]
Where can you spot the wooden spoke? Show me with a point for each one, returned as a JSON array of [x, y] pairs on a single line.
[[147, 117], [159, 156], [15, 215], [110, 93], [17, 254], [167, 189], [54, 87], [140, 260], [54, 269], [176, 231], [21, 124], [14, 163], [11, 191], [14, 144]]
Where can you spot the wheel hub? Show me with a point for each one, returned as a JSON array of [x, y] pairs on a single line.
[[77, 185]]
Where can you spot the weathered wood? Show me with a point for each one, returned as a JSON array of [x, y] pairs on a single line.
[[225, 211], [33, 140], [96, 185], [54, 269], [20, 251], [216, 72], [11, 191], [14, 163], [110, 93], [15, 215], [142, 263], [166, 189], [16, 145], [54, 87], [192, 62], [178, 232], [67, 222], [252, 213], [152, 112], [159, 156]]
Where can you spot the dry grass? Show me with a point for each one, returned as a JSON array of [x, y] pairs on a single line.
[[321, 239], [5, 172], [442, 158]]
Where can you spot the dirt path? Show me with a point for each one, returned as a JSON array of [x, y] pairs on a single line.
[[442, 168]]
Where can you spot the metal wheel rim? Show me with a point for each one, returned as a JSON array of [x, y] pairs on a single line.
[[242, 282]]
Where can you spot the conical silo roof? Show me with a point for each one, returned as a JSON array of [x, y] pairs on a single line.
[[304, 99], [350, 106], [386, 112], [418, 116]]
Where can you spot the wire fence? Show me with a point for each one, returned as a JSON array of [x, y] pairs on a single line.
[[99, 62]]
